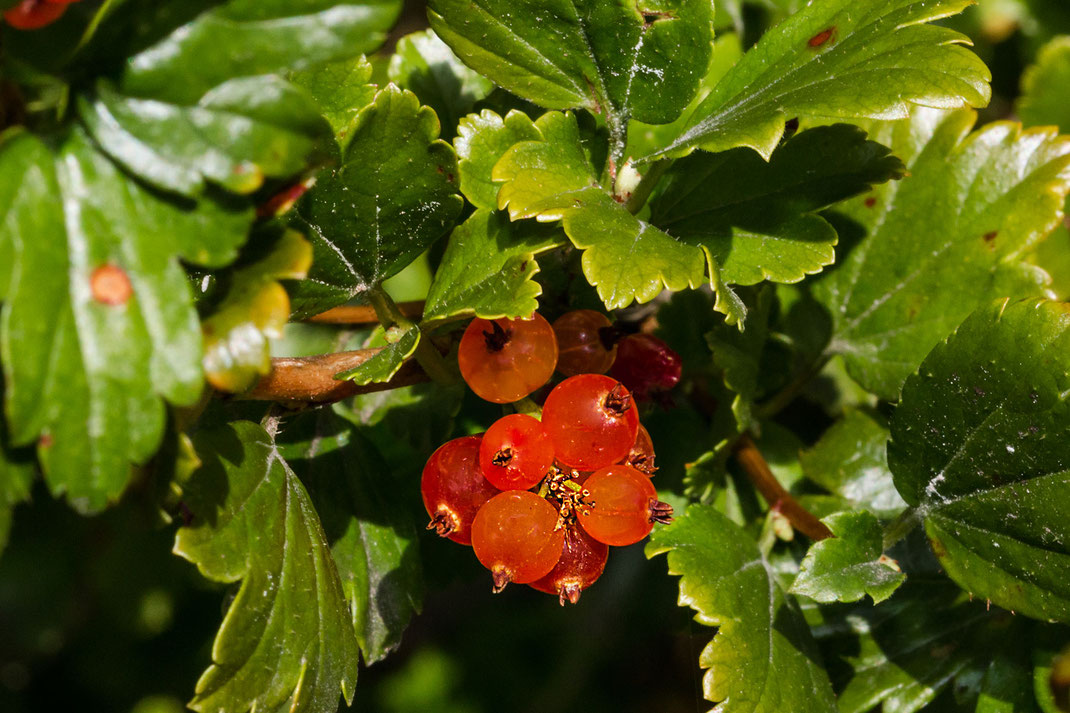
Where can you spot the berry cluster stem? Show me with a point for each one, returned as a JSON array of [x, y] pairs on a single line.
[[756, 468]]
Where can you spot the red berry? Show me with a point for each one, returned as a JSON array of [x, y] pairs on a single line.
[[622, 506], [453, 488], [641, 456], [516, 536], [582, 561], [504, 360], [585, 342], [591, 421], [516, 453], [34, 14], [646, 365]]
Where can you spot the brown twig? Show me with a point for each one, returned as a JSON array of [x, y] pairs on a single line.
[[753, 463], [310, 380], [364, 314]]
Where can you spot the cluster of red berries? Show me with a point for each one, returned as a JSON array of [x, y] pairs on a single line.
[[35, 14], [540, 502]]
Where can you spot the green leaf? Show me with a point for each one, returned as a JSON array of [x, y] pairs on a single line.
[[17, 470], [839, 59], [913, 647], [286, 642], [625, 258], [425, 65], [638, 60], [243, 38], [372, 538], [758, 220], [850, 565], [762, 658], [737, 352], [942, 241], [254, 310], [1051, 672], [851, 461], [1007, 686], [341, 89], [978, 447], [234, 135], [481, 141], [1045, 98], [98, 326], [385, 363], [488, 269], [394, 194]]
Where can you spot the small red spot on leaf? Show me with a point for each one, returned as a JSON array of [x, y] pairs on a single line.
[[449, 177], [110, 285], [282, 201], [821, 37], [45, 441], [990, 236], [938, 548], [870, 202]]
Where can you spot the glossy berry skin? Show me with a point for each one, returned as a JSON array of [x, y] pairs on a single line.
[[591, 421], [581, 343], [646, 365], [582, 562], [514, 536], [453, 488], [516, 453], [641, 455], [34, 14], [504, 360], [623, 506]]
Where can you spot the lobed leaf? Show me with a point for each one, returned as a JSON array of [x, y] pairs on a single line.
[[850, 565], [341, 89], [98, 325], [839, 59], [737, 352], [1044, 87], [978, 448], [393, 195], [488, 269], [287, 641], [757, 220], [373, 541], [762, 657], [254, 310], [942, 241], [425, 65], [851, 461], [625, 258], [481, 141], [639, 60]]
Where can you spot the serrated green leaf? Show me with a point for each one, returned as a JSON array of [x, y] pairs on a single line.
[[759, 220], [286, 642], [638, 60], [234, 135], [978, 448], [98, 327], [738, 352], [488, 269], [762, 658], [851, 461], [243, 38], [1007, 686], [394, 194], [912, 648], [341, 89], [1045, 98], [425, 65], [385, 363], [839, 59], [625, 258], [372, 538], [254, 310], [942, 241], [482, 139], [847, 567]]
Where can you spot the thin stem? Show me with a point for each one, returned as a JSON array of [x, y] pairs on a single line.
[[646, 185], [310, 380], [901, 527], [390, 315], [365, 314], [756, 468]]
